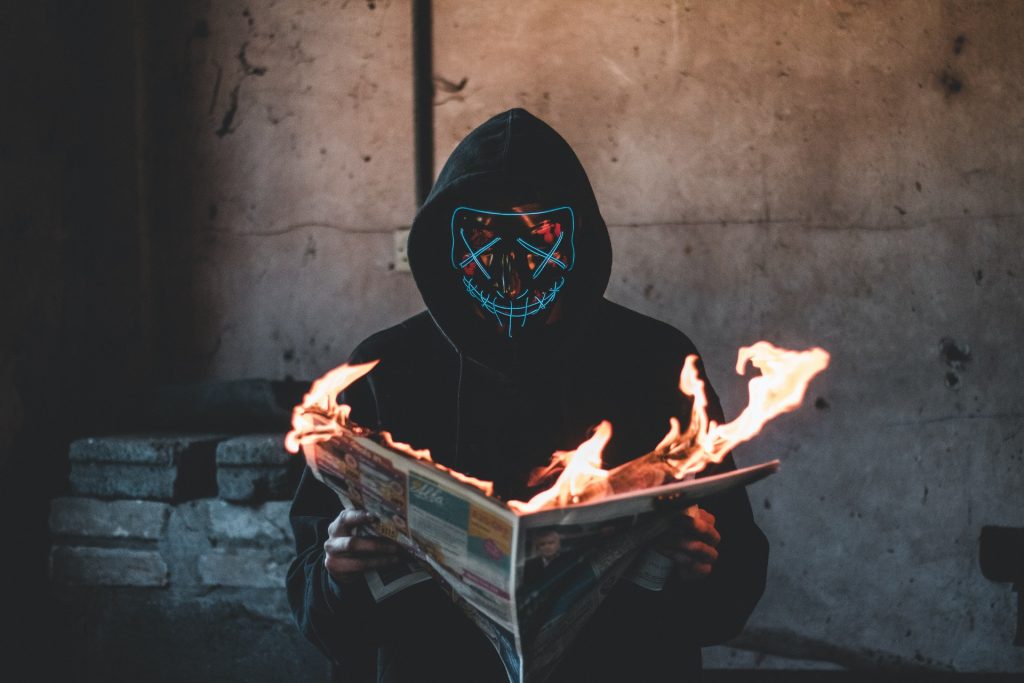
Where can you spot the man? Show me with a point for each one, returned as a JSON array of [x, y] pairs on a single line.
[[548, 545], [519, 355]]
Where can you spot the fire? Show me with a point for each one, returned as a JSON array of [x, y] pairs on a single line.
[[581, 473], [320, 416], [780, 388], [424, 454]]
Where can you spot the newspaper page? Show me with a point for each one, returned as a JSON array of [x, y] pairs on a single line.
[[529, 582], [570, 559]]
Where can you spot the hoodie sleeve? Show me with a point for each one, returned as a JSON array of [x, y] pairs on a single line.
[[726, 598], [715, 609], [341, 620]]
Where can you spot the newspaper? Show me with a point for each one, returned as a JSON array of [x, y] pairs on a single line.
[[529, 581]]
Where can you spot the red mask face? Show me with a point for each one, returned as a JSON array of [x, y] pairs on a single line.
[[513, 263]]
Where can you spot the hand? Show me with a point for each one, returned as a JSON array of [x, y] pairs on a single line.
[[347, 555], [692, 544]]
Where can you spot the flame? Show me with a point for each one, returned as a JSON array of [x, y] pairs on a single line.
[[424, 454], [581, 473], [320, 417], [780, 388]]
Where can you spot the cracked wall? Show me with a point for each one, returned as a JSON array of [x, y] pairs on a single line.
[[837, 173]]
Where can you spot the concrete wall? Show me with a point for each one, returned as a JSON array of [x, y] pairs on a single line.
[[283, 162], [844, 174]]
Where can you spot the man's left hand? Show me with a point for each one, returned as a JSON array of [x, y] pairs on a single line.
[[692, 544]]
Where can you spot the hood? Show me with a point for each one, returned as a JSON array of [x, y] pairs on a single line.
[[511, 157]]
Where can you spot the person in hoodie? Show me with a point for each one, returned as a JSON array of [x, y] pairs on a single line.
[[519, 355]]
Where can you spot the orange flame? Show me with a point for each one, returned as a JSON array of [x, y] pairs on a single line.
[[320, 417], [424, 454], [780, 388], [581, 472]]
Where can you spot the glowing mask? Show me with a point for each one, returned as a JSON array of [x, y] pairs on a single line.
[[513, 264]]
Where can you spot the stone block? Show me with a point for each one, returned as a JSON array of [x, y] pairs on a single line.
[[243, 568], [255, 468], [265, 525], [91, 518], [144, 466], [74, 565], [263, 450]]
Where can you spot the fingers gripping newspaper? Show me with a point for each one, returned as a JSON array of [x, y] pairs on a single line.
[[529, 581]]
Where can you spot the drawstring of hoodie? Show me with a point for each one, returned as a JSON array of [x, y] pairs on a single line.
[[458, 413]]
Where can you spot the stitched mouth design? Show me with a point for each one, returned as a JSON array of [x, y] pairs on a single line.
[[510, 310]]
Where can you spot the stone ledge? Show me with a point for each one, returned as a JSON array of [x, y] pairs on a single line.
[[122, 519], [145, 466], [267, 524], [242, 568], [253, 449], [256, 468], [141, 449], [73, 565]]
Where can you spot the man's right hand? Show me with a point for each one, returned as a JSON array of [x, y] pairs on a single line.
[[347, 556]]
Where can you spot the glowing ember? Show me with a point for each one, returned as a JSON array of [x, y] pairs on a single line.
[[779, 389]]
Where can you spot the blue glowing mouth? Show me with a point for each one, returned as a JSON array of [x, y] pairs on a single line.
[[509, 310]]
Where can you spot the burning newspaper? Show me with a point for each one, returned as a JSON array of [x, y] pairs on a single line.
[[529, 574]]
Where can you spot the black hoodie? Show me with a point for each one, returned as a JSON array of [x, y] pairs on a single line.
[[496, 407]]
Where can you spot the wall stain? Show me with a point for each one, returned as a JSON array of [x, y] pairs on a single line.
[[444, 85], [229, 113], [956, 357], [950, 83], [216, 90], [310, 252], [248, 68]]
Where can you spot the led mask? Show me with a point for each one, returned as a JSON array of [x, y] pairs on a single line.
[[514, 263]]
